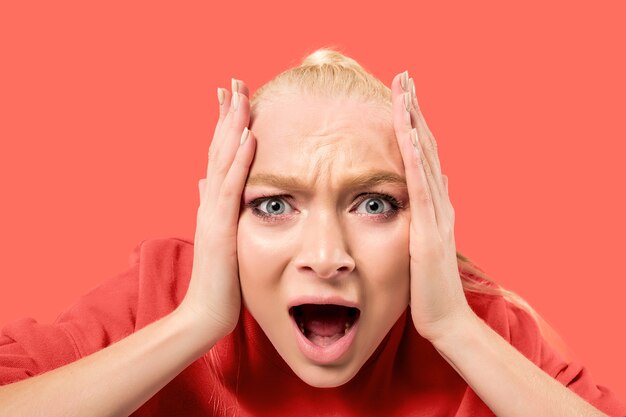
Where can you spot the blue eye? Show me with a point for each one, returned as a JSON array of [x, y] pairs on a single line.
[[269, 206], [379, 204]]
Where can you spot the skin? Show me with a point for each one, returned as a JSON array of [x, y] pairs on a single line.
[[323, 240]]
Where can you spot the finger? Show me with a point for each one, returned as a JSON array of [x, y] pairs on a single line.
[[427, 140], [225, 146], [240, 87], [230, 194], [438, 181], [403, 127], [423, 217], [399, 86], [416, 104], [401, 117], [226, 100], [428, 148], [430, 180], [223, 98]]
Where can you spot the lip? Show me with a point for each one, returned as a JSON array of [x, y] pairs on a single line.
[[324, 355], [316, 299]]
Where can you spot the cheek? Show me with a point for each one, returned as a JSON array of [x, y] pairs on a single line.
[[383, 257], [383, 246], [263, 253]]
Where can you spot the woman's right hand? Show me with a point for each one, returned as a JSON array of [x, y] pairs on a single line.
[[213, 298]]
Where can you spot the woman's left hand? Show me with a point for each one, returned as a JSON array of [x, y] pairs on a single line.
[[438, 303]]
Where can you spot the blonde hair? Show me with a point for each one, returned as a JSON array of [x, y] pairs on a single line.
[[326, 73], [329, 73]]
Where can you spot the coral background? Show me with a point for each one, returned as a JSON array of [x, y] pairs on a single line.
[[107, 110]]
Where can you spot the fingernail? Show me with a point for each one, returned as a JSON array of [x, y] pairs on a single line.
[[412, 86], [234, 85], [404, 80], [407, 102], [414, 137], [235, 101], [244, 136], [220, 96]]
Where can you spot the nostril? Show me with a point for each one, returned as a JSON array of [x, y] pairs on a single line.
[[333, 274], [323, 267], [323, 273]]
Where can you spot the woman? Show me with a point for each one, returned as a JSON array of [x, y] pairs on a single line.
[[329, 218]]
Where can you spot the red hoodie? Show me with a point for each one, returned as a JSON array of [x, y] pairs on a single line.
[[405, 376]]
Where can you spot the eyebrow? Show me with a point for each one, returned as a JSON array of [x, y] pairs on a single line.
[[362, 180]]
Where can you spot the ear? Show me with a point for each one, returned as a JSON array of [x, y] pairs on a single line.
[[202, 188]]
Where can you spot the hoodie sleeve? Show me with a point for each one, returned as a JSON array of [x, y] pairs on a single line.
[[101, 317], [527, 337]]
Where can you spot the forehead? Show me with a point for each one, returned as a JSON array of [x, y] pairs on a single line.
[[324, 139]]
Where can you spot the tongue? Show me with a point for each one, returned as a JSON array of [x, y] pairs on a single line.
[[324, 341], [325, 327], [324, 324]]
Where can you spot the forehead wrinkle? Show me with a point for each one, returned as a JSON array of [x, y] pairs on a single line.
[[334, 152], [323, 162]]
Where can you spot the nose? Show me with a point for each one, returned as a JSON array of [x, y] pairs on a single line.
[[323, 250]]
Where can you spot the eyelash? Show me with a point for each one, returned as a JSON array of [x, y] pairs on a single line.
[[396, 205]]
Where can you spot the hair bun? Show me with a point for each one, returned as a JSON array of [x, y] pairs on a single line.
[[325, 72], [328, 56]]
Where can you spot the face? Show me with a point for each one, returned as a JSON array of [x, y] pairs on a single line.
[[323, 238]]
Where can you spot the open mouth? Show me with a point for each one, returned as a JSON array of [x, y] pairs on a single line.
[[324, 324]]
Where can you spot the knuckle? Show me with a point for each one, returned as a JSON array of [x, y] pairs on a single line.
[[429, 173], [431, 146], [221, 166], [227, 192], [433, 142], [221, 169], [418, 163]]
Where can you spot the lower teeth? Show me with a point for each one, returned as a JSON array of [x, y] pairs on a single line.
[[345, 330]]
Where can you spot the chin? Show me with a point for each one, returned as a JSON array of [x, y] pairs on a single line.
[[325, 376]]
